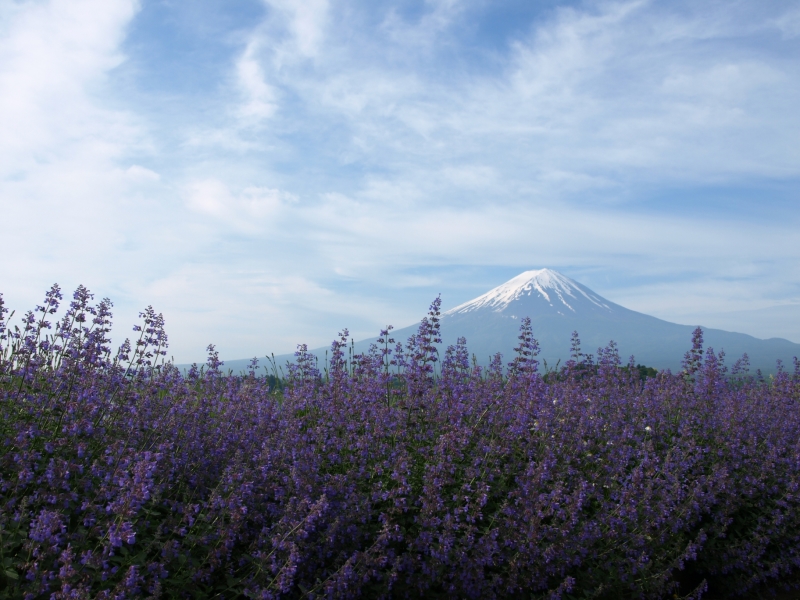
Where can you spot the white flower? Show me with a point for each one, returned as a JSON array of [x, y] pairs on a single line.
[[647, 428]]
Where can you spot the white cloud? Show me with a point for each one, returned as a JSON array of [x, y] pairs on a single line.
[[562, 55], [306, 22], [471, 176], [259, 97], [420, 36], [53, 57], [248, 211], [139, 174], [62, 189], [789, 23], [621, 88]]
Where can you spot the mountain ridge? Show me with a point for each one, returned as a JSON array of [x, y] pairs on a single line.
[[558, 305]]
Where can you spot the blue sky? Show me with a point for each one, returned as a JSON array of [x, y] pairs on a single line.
[[267, 172]]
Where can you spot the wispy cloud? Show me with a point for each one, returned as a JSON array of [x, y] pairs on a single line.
[[259, 97], [249, 211], [54, 59], [61, 146]]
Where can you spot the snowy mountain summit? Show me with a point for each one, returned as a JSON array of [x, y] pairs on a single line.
[[532, 293]]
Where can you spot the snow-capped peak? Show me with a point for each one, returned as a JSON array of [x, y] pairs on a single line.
[[551, 286]]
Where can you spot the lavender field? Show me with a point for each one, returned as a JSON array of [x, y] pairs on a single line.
[[397, 473]]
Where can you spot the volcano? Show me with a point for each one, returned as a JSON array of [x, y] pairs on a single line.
[[557, 306]]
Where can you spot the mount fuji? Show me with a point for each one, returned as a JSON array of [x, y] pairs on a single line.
[[557, 306]]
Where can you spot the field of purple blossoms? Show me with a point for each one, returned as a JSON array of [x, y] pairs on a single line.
[[397, 474]]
